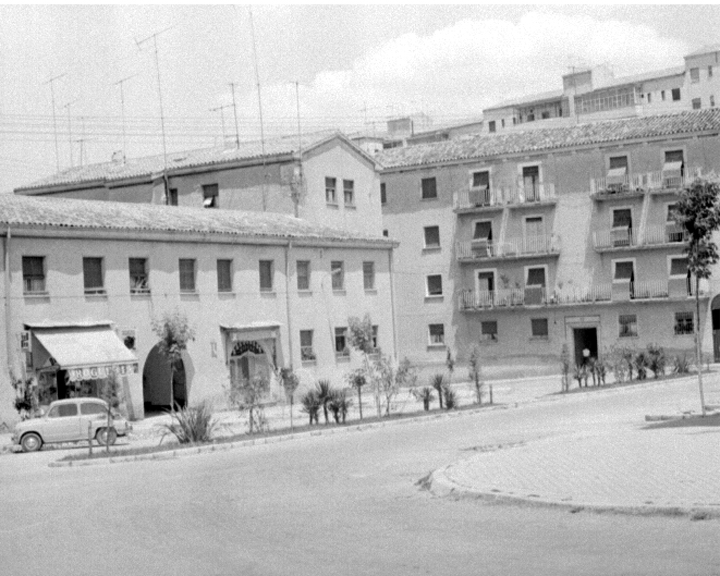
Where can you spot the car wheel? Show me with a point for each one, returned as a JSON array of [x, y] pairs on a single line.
[[104, 438], [31, 442]]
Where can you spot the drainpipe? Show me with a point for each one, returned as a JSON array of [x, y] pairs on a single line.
[[287, 301], [8, 332], [392, 302]]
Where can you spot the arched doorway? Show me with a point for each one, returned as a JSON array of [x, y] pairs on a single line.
[[248, 360], [715, 310], [158, 389]]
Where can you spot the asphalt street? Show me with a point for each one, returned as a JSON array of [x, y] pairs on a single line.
[[339, 504]]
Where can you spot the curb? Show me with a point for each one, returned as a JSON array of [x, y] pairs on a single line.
[[218, 447], [439, 484]]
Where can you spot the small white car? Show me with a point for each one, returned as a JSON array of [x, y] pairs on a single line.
[[68, 421]]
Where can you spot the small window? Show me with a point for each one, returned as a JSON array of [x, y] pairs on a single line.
[[624, 271], [341, 346], [676, 94], [63, 411], [434, 285], [375, 346], [679, 267], [481, 179], [696, 103], [303, 274], [369, 275], [337, 272], [187, 275], [349, 192], [649, 98], [33, 274], [617, 162], [622, 218], [93, 276], [210, 196], [89, 408], [662, 95], [710, 71], [383, 193], [331, 190], [539, 327], [535, 277], [491, 126], [386, 233], [432, 237], [483, 231], [502, 122], [307, 353], [684, 324], [712, 101], [436, 334], [628, 325], [694, 75], [671, 213], [224, 275], [489, 330], [138, 276], [172, 197], [266, 275], [429, 188]]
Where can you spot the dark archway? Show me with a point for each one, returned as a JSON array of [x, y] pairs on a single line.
[[158, 391], [715, 311]]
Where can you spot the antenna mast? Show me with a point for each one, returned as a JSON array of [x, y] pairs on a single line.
[[237, 131], [262, 131], [52, 95], [222, 118], [122, 110]]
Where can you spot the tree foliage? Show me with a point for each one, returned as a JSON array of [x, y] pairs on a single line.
[[247, 394], [391, 376]]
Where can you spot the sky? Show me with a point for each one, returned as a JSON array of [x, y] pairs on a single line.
[[346, 67]]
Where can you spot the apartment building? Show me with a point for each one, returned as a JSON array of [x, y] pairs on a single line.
[[83, 280], [590, 94], [527, 240], [322, 178]]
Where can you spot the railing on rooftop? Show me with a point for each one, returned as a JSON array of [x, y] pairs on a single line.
[[503, 195], [514, 248]]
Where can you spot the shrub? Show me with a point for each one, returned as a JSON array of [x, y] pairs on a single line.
[[311, 405], [390, 376], [450, 397], [436, 382], [324, 392], [339, 405], [580, 374], [681, 365], [641, 365], [425, 394], [247, 394], [357, 379], [191, 424], [656, 360]]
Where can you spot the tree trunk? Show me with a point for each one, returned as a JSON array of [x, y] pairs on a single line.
[[360, 400], [698, 348]]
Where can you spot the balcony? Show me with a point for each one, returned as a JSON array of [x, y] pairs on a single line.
[[617, 292], [531, 247], [624, 238], [633, 185], [495, 198], [663, 235]]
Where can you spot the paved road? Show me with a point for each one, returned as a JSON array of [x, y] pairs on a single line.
[[341, 504]]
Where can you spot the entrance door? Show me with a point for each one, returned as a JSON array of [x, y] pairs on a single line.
[[585, 338], [247, 361], [716, 332], [485, 285]]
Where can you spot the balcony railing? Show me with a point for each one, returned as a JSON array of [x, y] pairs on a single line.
[[643, 182], [615, 238], [601, 293], [514, 248], [628, 237], [664, 234], [498, 196]]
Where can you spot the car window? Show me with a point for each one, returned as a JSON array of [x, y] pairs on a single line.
[[88, 408], [67, 410], [54, 412]]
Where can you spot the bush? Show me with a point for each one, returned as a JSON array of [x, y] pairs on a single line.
[[192, 424], [641, 363], [339, 405], [681, 365], [436, 382], [450, 397], [656, 360], [311, 404], [425, 394]]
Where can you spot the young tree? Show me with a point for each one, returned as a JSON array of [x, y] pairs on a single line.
[[565, 368], [247, 394], [698, 213], [361, 338], [290, 383], [357, 379], [174, 331], [391, 376], [111, 392], [474, 368]]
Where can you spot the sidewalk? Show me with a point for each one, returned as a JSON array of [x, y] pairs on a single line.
[[654, 468]]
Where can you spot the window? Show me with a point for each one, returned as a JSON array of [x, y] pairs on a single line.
[[172, 197], [531, 182], [429, 188], [224, 275], [63, 411], [306, 346], [369, 275], [618, 162], [502, 122], [434, 285], [33, 274], [622, 218], [674, 168], [679, 267], [676, 94], [386, 233], [628, 325], [93, 275], [539, 327], [138, 276], [330, 190], [383, 193], [483, 231], [210, 196], [712, 101], [535, 277], [491, 126], [303, 274], [375, 347], [266, 275], [694, 75], [545, 115], [489, 330], [436, 334], [649, 98], [187, 275], [349, 192], [432, 236], [684, 323], [337, 273], [710, 71], [662, 95], [90, 408], [481, 179], [341, 347], [696, 103], [624, 271]]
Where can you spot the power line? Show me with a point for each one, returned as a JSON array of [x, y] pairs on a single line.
[[52, 95]]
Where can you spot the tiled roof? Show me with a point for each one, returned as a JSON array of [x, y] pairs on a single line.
[[25, 211], [547, 139], [148, 165], [705, 50]]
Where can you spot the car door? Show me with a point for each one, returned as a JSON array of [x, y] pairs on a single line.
[[94, 414], [62, 423]]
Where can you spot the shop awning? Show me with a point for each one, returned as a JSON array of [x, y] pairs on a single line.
[[87, 353]]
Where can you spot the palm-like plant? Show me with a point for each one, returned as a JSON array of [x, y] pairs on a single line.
[[324, 392], [426, 395], [311, 405], [339, 405], [192, 424], [437, 382]]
